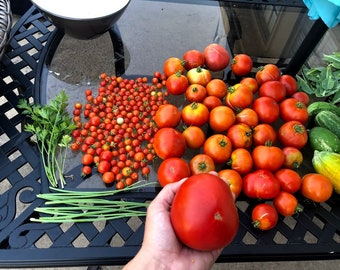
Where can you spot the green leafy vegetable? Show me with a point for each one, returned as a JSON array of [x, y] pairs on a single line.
[[51, 126], [322, 81]]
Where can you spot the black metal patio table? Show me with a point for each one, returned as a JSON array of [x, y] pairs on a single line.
[[314, 234]]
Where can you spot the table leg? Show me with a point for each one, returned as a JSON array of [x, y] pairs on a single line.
[[118, 50]]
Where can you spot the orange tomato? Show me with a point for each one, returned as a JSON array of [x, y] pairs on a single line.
[[194, 137], [212, 102], [218, 147], [217, 87], [247, 116], [201, 163], [233, 179], [240, 135], [173, 65], [241, 161], [316, 187], [221, 118]]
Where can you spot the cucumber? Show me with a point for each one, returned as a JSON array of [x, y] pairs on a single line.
[[329, 120], [322, 139], [318, 106]]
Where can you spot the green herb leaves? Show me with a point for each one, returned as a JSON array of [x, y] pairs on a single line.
[[322, 81], [51, 126]]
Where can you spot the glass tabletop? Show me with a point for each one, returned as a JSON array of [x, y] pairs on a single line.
[[41, 61]]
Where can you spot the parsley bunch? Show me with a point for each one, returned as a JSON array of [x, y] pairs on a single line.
[[51, 126]]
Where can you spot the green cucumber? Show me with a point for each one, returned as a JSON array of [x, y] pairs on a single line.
[[322, 139], [318, 106], [329, 120]]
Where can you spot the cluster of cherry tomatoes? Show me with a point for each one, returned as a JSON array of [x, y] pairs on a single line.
[[116, 136], [251, 132]]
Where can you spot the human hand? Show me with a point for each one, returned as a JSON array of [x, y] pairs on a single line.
[[161, 249]]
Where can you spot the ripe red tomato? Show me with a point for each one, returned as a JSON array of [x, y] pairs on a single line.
[[196, 114], [173, 65], [201, 163], [241, 161], [263, 133], [209, 214], [268, 72], [194, 137], [239, 96], [286, 204], [289, 83], [247, 116], [169, 142], [233, 179], [196, 93], [241, 65], [292, 109], [104, 166], [218, 147], [264, 217], [293, 157], [302, 97], [221, 118], [293, 133], [268, 157], [290, 180], [217, 87], [267, 109], [273, 89], [216, 57], [177, 84], [212, 102], [167, 115], [240, 135], [87, 159], [106, 155], [316, 187], [108, 177], [251, 83], [172, 170], [193, 59], [261, 184], [199, 75]]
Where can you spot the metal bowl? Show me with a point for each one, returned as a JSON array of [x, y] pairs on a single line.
[[82, 19]]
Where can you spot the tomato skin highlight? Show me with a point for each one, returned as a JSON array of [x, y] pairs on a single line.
[[209, 214]]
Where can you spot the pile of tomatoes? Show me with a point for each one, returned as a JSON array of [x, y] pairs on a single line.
[[251, 132], [115, 129]]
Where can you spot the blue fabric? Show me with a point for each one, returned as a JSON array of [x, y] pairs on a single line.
[[327, 10]]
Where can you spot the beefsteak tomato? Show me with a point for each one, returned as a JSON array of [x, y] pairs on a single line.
[[216, 57]]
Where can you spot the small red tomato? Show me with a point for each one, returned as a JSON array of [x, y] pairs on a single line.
[[193, 59], [289, 179], [233, 179], [293, 110], [264, 217], [289, 83], [286, 204], [241, 65], [177, 83], [172, 170]]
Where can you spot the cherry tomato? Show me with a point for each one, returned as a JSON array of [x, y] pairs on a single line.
[[221, 118], [216, 57], [196, 114], [169, 142], [217, 87], [264, 216], [209, 214], [290, 180], [196, 93], [103, 166], [194, 137], [193, 59], [108, 177], [106, 155], [273, 89], [268, 157], [173, 65], [267, 109], [199, 75], [316, 187], [241, 161], [292, 109], [172, 170], [293, 133], [241, 65], [268, 72], [201, 163], [86, 170], [240, 135], [233, 179], [167, 115], [261, 184], [87, 159], [218, 147], [286, 204], [177, 84]]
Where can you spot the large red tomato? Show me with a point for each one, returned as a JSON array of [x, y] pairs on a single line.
[[268, 157], [267, 109], [172, 170], [273, 89], [204, 218], [218, 147], [167, 115], [193, 59], [292, 109], [216, 57], [293, 133], [195, 114], [261, 184], [268, 72], [169, 142], [241, 65]]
